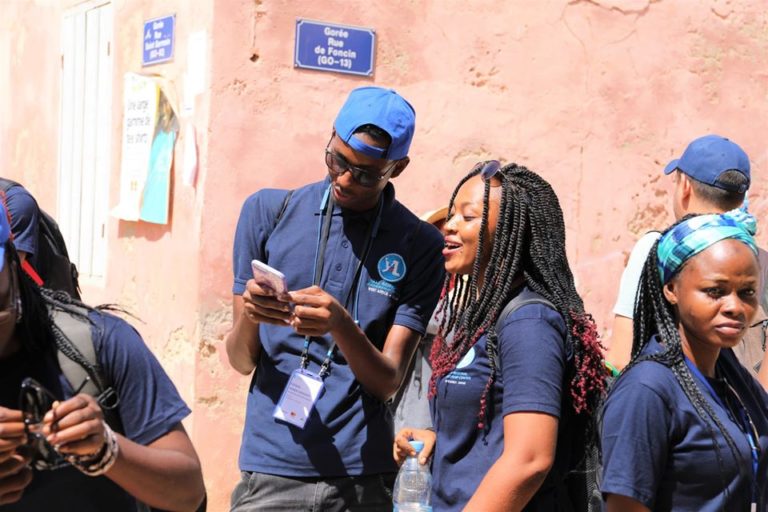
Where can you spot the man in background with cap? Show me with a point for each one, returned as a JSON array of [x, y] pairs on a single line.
[[712, 176], [363, 275]]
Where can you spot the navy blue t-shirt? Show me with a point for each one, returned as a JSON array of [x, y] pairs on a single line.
[[530, 377], [349, 432], [149, 407], [658, 451], [24, 214]]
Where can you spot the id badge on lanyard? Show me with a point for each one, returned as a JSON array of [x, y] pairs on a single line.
[[299, 398]]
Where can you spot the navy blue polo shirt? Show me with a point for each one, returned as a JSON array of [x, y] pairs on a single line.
[[658, 451], [349, 432], [531, 373]]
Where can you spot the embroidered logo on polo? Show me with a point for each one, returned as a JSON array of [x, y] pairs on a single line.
[[383, 288], [467, 359], [392, 267], [457, 376]]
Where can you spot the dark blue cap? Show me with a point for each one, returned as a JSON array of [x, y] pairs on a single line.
[[380, 107], [706, 158]]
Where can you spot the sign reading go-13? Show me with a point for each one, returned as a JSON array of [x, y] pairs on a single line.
[[338, 48]]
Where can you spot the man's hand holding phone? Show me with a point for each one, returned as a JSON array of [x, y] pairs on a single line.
[[266, 296]]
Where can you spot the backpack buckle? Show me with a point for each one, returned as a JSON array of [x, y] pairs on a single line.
[[108, 399]]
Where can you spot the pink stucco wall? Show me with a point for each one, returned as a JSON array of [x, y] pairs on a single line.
[[595, 95]]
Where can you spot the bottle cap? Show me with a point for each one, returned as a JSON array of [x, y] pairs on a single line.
[[417, 445]]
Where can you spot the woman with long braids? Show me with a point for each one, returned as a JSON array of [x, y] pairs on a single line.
[[57, 452], [510, 389], [685, 427]]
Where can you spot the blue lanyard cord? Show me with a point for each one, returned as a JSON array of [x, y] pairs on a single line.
[[326, 214], [746, 425]]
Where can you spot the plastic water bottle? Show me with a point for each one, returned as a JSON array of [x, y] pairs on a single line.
[[413, 485]]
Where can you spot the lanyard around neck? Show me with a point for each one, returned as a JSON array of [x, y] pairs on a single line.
[[747, 426], [324, 230]]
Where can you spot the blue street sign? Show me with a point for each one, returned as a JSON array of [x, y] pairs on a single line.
[[158, 40], [338, 48]]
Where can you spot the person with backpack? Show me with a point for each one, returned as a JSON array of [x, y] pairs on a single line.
[[685, 426], [84, 434], [363, 275], [516, 364], [410, 406], [711, 176], [38, 240]]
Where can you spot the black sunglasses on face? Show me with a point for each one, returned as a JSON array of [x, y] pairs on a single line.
[[35, 401], [338, 165]]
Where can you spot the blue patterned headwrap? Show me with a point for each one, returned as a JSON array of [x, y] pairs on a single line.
[[690, 237]]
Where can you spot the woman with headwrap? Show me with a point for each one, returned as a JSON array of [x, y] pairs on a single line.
[[685, 427]]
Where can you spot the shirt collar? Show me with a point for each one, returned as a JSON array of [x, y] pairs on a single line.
[[387, 195]]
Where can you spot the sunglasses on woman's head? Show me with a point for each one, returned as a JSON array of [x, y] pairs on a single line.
[[488, 169]]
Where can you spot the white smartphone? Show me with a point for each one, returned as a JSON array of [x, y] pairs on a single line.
[[270, 278]]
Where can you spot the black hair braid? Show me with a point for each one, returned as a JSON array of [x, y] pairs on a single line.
[[529, 245], [34, 327], [653, 315], [457, 300]]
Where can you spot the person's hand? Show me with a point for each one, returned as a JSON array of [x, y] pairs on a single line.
[[12, 434], [15, 475], [76, 426], [401, 448], [260, 305], [316, 312]]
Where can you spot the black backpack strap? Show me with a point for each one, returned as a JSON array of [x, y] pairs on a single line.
[[6, 184], [278, 216], [75, 347], [523, 298], [281, 211], [78, 334]]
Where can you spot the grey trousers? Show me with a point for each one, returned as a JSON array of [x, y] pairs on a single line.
[[271, 493]]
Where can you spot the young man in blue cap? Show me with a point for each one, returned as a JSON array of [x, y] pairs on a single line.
[[363, 275], [711, 176]]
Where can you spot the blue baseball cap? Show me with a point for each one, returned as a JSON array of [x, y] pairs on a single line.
[[380, 107], [5, 232], [706, 158]]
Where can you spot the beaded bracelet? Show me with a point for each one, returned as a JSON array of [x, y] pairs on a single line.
[[101, 462]]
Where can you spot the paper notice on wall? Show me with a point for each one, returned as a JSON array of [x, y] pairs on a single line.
[[157, 189], [140, 99], [197, 61], [149, 135], [190, 155]]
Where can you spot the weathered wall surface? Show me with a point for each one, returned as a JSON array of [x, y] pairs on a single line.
[[594, 95]]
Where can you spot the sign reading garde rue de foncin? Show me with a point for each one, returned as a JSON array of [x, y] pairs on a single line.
[[332, 47]]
